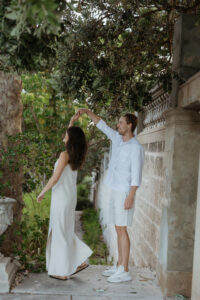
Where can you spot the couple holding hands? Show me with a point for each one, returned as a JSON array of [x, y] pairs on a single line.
[[66, 254]]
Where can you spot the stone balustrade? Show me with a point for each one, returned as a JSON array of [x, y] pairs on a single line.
[[7, 267], [189, 93], [153, 112], [6, 213]]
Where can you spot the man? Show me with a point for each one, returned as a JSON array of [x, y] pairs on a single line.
[[123, 178]]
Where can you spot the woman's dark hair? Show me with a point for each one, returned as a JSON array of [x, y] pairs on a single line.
[[76, 147]]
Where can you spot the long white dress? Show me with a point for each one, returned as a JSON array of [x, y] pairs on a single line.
[[64, 251]]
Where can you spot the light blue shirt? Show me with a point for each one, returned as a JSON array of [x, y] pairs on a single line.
[[126, 163]]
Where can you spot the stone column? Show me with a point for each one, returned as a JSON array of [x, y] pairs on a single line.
[[186, 54], [7, 267], [196, 260], [174, 269]]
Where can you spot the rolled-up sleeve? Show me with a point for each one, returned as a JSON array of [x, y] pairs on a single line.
[[109, 132], [137, 161]]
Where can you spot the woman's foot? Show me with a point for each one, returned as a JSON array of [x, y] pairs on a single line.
[[81, 267], [59, 277]]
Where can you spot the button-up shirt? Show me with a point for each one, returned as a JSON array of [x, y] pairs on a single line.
[[127, 158]]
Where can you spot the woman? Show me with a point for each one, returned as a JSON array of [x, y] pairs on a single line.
[[65, 253]]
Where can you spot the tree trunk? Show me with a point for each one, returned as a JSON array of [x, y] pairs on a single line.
[[10, 124]]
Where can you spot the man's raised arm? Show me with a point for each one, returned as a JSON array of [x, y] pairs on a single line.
[[90, 114], [101, 125]]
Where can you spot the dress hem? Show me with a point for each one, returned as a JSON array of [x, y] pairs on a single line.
[[82, 260]]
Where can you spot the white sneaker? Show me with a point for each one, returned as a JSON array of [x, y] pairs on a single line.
[[120, 276], [110, 271]]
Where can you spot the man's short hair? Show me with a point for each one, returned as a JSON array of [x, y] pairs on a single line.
[[131, 118]]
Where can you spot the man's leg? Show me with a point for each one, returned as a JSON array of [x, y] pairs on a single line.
[[119, 260], [123, 246]]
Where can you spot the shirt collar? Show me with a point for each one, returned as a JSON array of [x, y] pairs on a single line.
[[130, 140]]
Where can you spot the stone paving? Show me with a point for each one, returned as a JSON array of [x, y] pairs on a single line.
[[87, 285]]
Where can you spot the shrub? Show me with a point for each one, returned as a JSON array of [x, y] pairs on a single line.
[[93, 236]]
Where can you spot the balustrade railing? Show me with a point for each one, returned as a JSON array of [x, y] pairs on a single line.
[[153, 112], [8, 268]]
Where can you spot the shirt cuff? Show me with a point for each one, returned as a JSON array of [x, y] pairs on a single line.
[[135, 183], [100, 124]]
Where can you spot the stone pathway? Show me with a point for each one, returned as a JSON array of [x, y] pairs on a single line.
[[87, 285]]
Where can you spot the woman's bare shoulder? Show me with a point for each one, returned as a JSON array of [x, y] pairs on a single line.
[[64, 156]]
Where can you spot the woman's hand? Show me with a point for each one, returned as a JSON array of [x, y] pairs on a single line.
[[74, 118], [40, 197]]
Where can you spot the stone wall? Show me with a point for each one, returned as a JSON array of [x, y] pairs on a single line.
[[145, 231], [182, 144]]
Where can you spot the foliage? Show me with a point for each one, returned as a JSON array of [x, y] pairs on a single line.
[[46, 115], [109, 53], [93, 236], [83, 189], [114, 52], [31, 251], [33, 13], [32, 231], [33, 208], [45, 119], [29, 32]]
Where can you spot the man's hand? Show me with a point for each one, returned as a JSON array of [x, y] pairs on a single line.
[[82, 111], [128, 202], [130, 198], [90, 114]]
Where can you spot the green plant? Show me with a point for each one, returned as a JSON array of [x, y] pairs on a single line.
[[83, 201], [32, 231], [33, 208], [93, 236], [33, 235]]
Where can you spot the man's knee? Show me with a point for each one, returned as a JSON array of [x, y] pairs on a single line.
[[121, 229]]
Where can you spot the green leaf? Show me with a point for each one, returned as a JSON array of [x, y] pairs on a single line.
[[12, 16], [102, 40], [102, 89]]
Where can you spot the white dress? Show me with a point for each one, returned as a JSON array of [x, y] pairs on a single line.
[[64, 251]]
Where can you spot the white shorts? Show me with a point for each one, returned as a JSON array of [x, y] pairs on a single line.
[[117, 215]]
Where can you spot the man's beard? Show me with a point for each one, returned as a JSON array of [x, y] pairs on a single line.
[[121, 132]]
